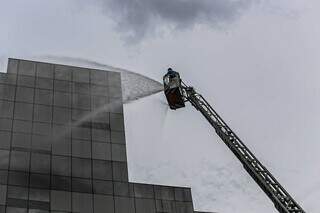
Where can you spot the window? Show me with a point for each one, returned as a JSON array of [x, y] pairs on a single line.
[[81, 101], [22, 126], [43, 96], [42, 113], [21, 140], [120, 171], [4, 159], [81, 149], [81, 168], [101, 151], [82, 202], [102, 187], [62, 99], [7, 92], [20, 161], [61, 165], [6, 109], [44, 83], [18, 178], [25, 94], [103, 203], [45, 70], [40, 181], [26, 81], [61, 183], [27, 67], [17, 192], [81, 185], [61, 146], [5, 124], [81, 75], [61, 115], [5, 138], [23, 111], [102, 170], [101, 135], [41, 128], [60, 201], [63, 86], [82, 88], [63, 73], [99, 77], [116, 122], [40, 163], [40, 142]]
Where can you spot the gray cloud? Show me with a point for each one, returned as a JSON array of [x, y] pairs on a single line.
[[138, 18]]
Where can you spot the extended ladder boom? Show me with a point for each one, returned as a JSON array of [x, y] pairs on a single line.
[[283, 202]]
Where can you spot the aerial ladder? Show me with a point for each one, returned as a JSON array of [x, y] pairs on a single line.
[[177, 93]]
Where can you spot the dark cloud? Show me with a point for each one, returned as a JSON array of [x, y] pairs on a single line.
[[138, 18]]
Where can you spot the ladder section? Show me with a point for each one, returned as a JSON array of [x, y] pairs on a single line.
[[283, 202]]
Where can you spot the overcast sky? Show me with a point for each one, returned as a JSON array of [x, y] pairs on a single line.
[[256, 61]]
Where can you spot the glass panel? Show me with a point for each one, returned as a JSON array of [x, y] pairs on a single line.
[[123, 204], [40, 163], [63, 72], [61, 183], [43, 96], [41, 128], [45, 70], [120, 171], [40, 142], [102, 170], [103, 203], [62, 99], [63, 86], [44, 83], [6, 109], [18, 178], [40, 181], [82, 202], [25, 94], [61, 115], [101, 151], [81, 149], [81, 75], [26, 81], [81, 185], [3, 194], [61, 165], [27, 67], [39, 195], [7, 92], [5, 124], [23, 111], [81, 168], [102, 187], [5, 138], [20, 161], [17, 192], [60, 201], [119, 152], [21, 140], [81, 101], [82, 88], [22, 126], [42, 113]]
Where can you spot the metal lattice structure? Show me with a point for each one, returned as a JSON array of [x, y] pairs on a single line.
[[282, 200]]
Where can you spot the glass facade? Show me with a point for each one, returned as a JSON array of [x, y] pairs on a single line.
[[62, 145]]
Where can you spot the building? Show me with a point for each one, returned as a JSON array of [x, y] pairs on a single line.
[[61, 151]]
